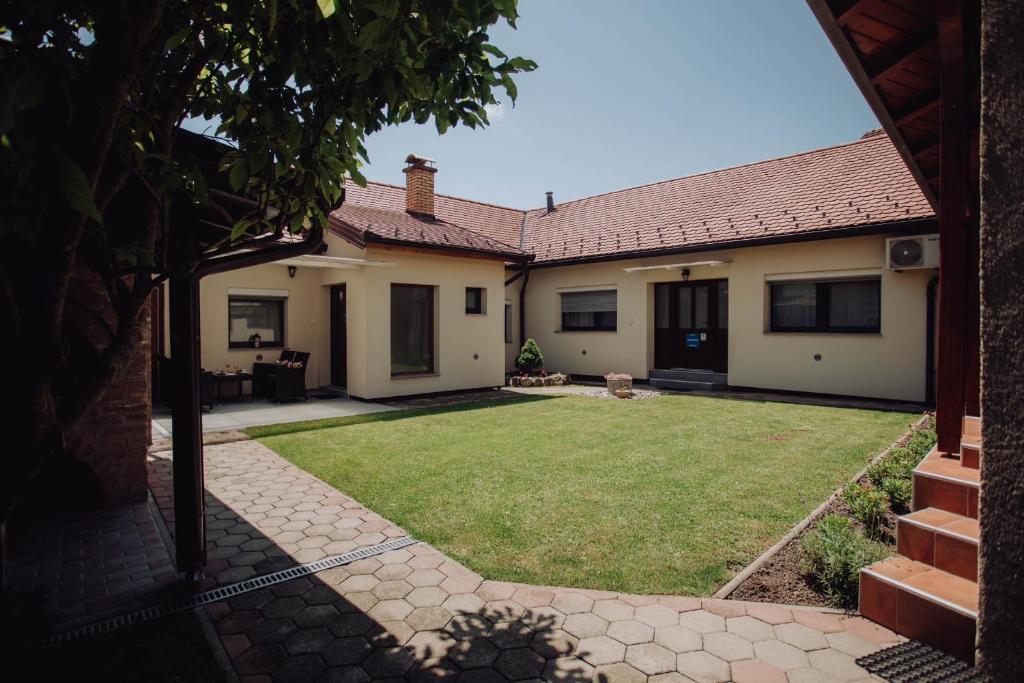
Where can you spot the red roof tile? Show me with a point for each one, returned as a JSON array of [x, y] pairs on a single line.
[[859, 184]]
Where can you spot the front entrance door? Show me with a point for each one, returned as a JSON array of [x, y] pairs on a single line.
[[339, 338], [691, 321]]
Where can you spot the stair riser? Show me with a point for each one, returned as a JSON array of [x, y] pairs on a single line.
[[942, 551], [972, 427], [690, 376], [951, 496], [970, 456], [680, 385], [917, 618]]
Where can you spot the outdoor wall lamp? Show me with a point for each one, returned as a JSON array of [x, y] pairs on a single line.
[[686, 274], [292, 270]]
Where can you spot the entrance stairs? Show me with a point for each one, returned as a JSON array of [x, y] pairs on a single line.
[[681, 379]]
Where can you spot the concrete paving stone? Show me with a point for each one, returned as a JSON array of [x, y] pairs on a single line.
[[809, 676], [388, 661], [473, 653], [533, 597], [461, 583], [618, 673], [770, 614], [292, 587], [342, 534], [801, 636], [344, 674], [308, 641], [780, 654], [651, 658], [390, 610], [600, 650], [703, 667], [750, 628], [260, 659], [428, 618], [320, 595], [481, 676], [728, 647], [336, 547], [519, 663], [680, 603], [567, 669], [295, 525], [427, 596], [554, 644], [352, 624], [821, 621], [390, 633], [466, 626], [613, 609], [315, 615], [572, 603], [235, 574], [836, 664], [756, 671], [364, 566], [543, 618], [392, 590], [639, 600], [631, 632], [724, 608], [374, 538], [393, 572], [678, 638], [425, 577], [657, 615], [851, 644], [509, 635], [430, 561], [359, 584], [282, 607], [431, 671], [251, 600], [502, 610], [586, 625], [272, 631], [363, 600], [463, 603], [430, 645], [702, 621], [492, 590], [869, 630], [240, 621], [670, 677]]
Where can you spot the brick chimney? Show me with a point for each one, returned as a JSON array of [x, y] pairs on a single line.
[[419, 185]]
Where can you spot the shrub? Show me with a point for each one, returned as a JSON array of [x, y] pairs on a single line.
[[530, 358], [868, 505], [899, 492], [834, 553]]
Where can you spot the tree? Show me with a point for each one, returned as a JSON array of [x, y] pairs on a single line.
[[530, 358], [92, 95]]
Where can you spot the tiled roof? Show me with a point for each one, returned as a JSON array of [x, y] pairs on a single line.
[[859, 184], [856, 184], [362, 224]]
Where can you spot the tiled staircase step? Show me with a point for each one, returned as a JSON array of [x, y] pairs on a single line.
[[941, 481], [970, 451], [941, 539], [922, 603]]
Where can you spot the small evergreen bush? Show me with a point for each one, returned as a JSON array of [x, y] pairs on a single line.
[[530, 358], [868, 505], [899, 492], [834, 553]]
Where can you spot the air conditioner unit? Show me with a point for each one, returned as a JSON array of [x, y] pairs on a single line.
[[909, 253]]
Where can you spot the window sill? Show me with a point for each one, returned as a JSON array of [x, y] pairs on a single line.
[[584, 331], [476, 315], [820, 333], [262, 347], [415, 375]]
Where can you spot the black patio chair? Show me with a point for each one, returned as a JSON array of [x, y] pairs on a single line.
[[280, 382]]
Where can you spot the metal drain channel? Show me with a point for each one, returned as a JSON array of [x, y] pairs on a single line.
[[222, 592]]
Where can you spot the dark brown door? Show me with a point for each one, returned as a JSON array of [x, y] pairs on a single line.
[[339, 338], [691, 321]]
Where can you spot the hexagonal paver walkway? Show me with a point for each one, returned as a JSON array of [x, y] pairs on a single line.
[[415, 614]]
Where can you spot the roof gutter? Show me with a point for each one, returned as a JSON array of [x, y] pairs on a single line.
[[371, 238], [908, 227], [853, 64]]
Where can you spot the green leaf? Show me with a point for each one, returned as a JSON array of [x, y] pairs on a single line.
[[178, 38], [492, 50], [75, 188], [357, 177], [239, 176], [239, 228], [327, 7]]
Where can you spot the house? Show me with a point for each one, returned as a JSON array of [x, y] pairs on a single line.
[[771, 275]]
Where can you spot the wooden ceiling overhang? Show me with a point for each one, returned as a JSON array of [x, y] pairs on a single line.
[[892, 50]]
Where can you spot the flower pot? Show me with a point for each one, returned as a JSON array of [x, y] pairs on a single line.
[[617, 385]]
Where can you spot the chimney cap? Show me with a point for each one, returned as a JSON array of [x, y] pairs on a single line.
[[551, 200], [416, 161]]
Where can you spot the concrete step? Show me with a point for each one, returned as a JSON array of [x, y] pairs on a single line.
[[970, 451], [941, 539], [685, 375], [941, 481], [922, 603], [683, 385]]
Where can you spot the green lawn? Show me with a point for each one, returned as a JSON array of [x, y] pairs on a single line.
[[664, 495]]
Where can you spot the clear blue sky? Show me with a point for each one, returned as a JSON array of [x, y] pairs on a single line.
[[634, 91]]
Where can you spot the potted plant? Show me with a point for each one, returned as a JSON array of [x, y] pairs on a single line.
[[618, 381]]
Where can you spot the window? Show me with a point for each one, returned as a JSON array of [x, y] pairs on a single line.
[[831, 306], [412, 329], [251, 316], [589, 311], [508, 322], [475, 301]]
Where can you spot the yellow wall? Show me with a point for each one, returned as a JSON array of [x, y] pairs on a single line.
[[368, 293], [887, 365]]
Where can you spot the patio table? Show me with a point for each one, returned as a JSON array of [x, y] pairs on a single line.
[[235, 378]]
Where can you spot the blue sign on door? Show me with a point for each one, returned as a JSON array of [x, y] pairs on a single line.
[[692, 340]]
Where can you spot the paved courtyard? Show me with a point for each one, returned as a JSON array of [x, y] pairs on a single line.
[[415, 614]]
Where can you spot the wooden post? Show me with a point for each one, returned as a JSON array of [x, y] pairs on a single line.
[[953, 222]]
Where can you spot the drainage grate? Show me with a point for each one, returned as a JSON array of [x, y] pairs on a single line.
[[914, 662], [222, 592]]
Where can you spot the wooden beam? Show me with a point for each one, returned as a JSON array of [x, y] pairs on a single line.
[[925, 105], [953, 222], [844, 10], [901, 57], [927, 147]]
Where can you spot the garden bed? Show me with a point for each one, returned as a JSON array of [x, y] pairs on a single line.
[[786, 576]]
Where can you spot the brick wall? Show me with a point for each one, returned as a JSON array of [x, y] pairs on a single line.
[[419, 190], [112, 438]]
